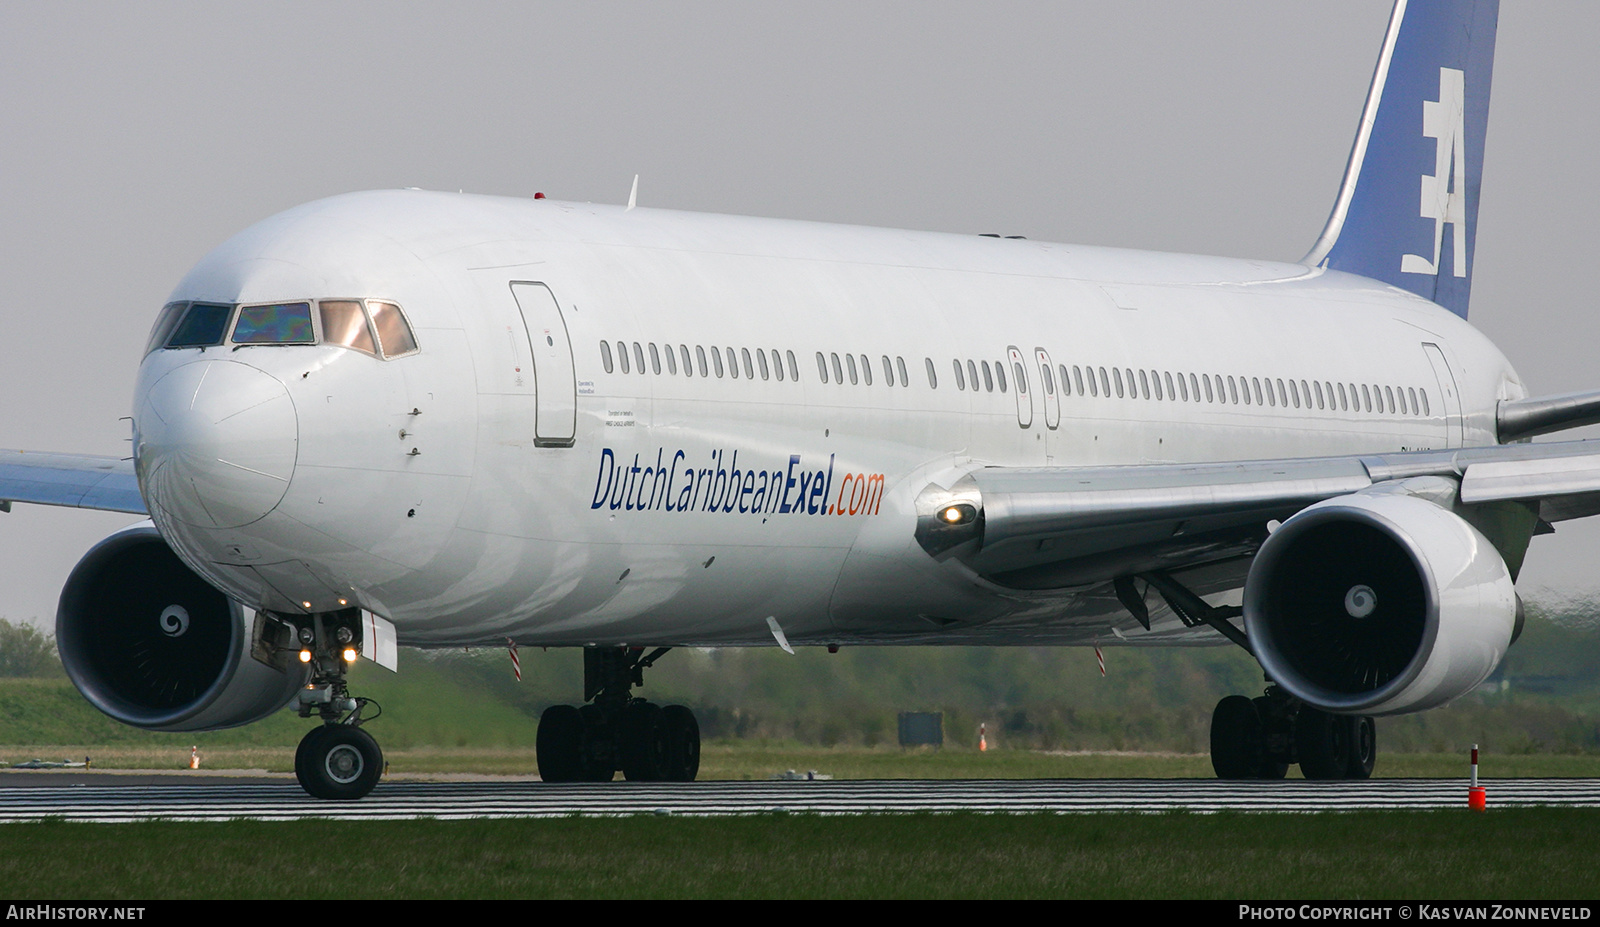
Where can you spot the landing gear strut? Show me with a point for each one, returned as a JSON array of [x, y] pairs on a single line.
[[616, 731], [337, 761], [1261, 738]]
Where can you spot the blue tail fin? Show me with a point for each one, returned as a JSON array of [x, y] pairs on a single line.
[[1422, 129]]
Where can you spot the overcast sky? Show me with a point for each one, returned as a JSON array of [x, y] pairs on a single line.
[[135, 137]]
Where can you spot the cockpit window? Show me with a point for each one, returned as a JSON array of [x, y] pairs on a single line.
[[202, 326], [371, 326], [394, 334], [344, 323], [279, 323], [170, 314]]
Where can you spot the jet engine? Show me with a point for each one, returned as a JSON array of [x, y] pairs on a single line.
[[1378, 603], [151, 644]]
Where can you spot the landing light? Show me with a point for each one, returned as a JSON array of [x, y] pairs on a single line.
[[305, 656], [958, 514], [350, 655]]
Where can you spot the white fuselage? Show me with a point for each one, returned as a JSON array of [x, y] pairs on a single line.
[[445, 491]]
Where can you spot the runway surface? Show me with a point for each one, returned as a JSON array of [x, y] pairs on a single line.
[[105, 798]]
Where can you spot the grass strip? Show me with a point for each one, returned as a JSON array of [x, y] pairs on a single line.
[[1505, 853]]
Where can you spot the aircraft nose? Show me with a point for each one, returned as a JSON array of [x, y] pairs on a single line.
[[216, 443]]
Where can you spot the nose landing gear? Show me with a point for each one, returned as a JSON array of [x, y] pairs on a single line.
[[337, 761], [647, 742]]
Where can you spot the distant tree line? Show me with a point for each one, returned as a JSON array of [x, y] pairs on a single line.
[[26, 651]]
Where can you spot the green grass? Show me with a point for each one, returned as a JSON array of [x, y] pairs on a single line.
[[1512, 853]]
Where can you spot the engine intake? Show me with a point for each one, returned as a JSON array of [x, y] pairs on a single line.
[[1378, 603], [151, 644]]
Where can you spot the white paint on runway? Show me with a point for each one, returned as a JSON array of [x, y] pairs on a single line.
[[274, 800]]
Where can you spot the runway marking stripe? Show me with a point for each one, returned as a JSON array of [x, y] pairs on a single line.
[[455, 801]]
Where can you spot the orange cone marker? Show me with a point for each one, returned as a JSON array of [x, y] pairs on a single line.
[[1477, 797], [194, 757], [983, 739]]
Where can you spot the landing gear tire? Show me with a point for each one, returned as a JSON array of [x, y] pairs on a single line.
[[597, 753], [1363, 748], [1323, 742], [644, 749], [302, 756], [338, 762], [1236, 741], [1271, 767], [681, 734], [559, 744]]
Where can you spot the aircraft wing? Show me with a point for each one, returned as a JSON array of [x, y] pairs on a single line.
[[78, 480], [1053, 527]]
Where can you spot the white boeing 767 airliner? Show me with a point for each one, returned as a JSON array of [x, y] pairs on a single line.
[[448, 420]]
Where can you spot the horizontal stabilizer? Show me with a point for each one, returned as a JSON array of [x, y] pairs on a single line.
[[1525, 418]]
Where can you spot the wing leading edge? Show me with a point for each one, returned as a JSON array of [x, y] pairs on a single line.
[[80, 481], [1039, 528]]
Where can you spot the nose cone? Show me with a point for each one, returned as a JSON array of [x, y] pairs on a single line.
[[216, 445]]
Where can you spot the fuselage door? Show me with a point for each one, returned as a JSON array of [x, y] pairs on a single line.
[[556, 416], [1450, 398], [1023, 389], [1051, 390]]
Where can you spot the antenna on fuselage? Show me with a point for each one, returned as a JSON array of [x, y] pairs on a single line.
[[633, 195]]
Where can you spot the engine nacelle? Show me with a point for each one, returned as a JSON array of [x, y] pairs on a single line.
[[151, 644], [1378, 603]]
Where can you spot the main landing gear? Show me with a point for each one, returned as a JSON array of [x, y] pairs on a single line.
[[339, 760], [1261, 738], [616, 731]]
